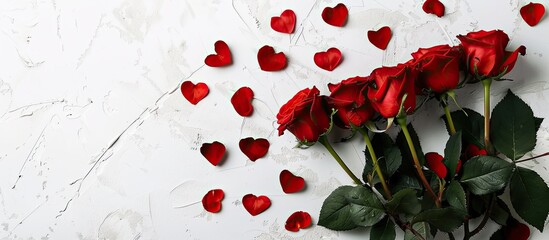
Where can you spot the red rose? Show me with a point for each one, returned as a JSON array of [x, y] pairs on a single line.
[[472, 151], [485, 52], [435, 162], [391, 83], [348, 97], [304, 115], [438, 67]]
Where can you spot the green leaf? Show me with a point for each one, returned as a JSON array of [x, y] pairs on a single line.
[[486, 174], [471, 124], [404, 201], [529, 195], [391, 161], [455, 195], [408, 162], [452, 153], [500, 212], [537, 122], [380, 142], [405, 182], [422, 228], [445, 219], [513, 127], [383, 230]]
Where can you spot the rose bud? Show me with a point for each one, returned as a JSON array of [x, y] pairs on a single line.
[[390, 84], [438, 68], [348, 97]]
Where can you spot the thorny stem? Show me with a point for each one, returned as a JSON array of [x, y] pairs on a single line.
[[324, 141], [407, 226], [486, 83], [532, 158], [449, 119], [375, 162], [486, 216]]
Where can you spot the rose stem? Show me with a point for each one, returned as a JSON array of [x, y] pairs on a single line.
[[449, 119], [324, 141], [402, 123], [487, 83], [375, 162]]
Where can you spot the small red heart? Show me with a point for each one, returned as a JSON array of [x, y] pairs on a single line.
[[291, 183], [194, 93], [434, 7], [223, 56], [434, 162], [336, 16], [269, 60], [255, 205], [254, 148], [242, 101], [328, 60], [380, 38], [212, 200], [285, 23], [213, 152], [532, 13], [298, 220]]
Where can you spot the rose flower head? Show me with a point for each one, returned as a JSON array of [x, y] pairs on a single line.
[[389, 86], [438, 68], [348, 97]]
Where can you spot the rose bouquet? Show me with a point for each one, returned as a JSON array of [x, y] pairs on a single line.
[[423, 194]]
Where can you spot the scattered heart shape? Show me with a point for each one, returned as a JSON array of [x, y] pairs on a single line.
[[194, 93], [242, 101], [434, 7], [434, 162], [328, 60], [269, 60], [336, 16], [285, 23], [212, 200], [532, 13], [213, 152], [381, 37], [291, 183], [298, 220], [256, 205], [222, 56], [254, 148]]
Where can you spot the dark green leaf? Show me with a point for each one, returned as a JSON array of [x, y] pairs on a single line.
[[477, 205], [422, 229], [445, 219], [452, 152], [405, 182], [513, 127], [383, 230], [455, 195], [470, 124], [486, 174], [498, 235], [537, 122], [407, 165], [404, 201], [380, 142], [500, 212], [391, 161], [529, 195]]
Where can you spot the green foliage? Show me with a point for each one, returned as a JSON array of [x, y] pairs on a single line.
[[381, 142], [529, 195], [407, 166], [404, 201], [383, 230], [444, 219], [471, 124], [452, 153], [486, 174], [500, 212], [422, 228], [455, 196]]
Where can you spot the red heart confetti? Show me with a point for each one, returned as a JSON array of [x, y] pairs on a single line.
[[269, 60], [212, 200], [285, 23], [434, 7], [242, 101], [328, 60], [255, 205], [434, 162], [336, 16], [298, 220], [291, 183], [194, 93], [213, 152], [532, 13], [254, 148], [380, 38], [223, 56]]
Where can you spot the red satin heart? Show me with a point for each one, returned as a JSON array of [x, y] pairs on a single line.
[[242, 101], [298, 220], [532, 13], [223, 56], [381, 37], [285, 23], [291, 183], [336, 16], [213, 152], [269, 60], [194, 93], [328, 60], [434, 7], [434, 162], [212, 200], [255, 205], [254, 148]]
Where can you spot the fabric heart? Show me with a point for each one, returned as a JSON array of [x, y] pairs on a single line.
[[434, 7], [223, 56], [254, 148], [242, 101], [255, 205], [285, 23], [194, 93], [434, 162], [336, 16], [380, 38], [213, 152], [291, 183], [212, 200], [328, 60], [269, 60], [532, 13], [298, 220]]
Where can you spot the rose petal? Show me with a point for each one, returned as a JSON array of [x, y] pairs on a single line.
[[212, 200], [291, 183], [298, 220], [213, 152], [194, 93], [434, 7], [434, 162], [269, 60], [254, 148], [255, 205], [328, 60], [380, 38], [285, 23], [532, 13], [336, 16], [223, 56], [242, 101]]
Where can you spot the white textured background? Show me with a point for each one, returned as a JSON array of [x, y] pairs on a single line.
[[97, 142]]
